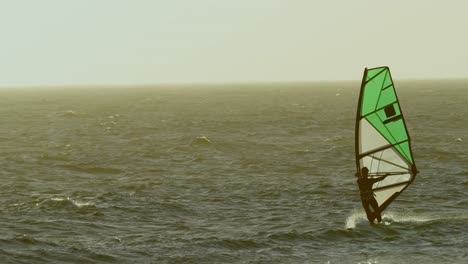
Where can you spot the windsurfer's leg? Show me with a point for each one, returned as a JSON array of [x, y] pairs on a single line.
[[375, 207], [370, 218], [369, 214]]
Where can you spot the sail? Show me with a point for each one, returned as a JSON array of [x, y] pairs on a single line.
[[382, 142]]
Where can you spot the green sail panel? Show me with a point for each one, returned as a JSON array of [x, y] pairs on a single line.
[[383, 144], [380, 106]]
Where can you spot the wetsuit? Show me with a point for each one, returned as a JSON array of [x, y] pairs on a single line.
[[367, 197]]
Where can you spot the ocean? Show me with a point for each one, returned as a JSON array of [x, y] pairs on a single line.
[[233, 173]]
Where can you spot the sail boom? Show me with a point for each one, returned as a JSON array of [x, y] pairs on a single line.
[[391, 186], [389, 173]]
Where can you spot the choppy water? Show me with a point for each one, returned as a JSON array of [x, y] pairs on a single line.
[[222, 174]]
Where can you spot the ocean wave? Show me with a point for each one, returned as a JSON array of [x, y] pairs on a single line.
[[61, 202], [52, 203], [292, 235], [239, 244], [28, 249], [24, 240], [92, 170]]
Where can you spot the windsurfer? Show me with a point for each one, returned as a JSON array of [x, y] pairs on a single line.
[[367, 195]]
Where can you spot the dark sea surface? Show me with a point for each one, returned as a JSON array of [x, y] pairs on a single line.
[[258, 173]]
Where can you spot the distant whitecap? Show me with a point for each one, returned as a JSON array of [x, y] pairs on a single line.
[[202, 140], [68, 114]]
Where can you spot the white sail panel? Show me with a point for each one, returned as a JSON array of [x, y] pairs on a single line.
[[384, 194], [370, 138], [391, 160]]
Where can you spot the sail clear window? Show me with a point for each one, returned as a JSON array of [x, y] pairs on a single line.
[[389, 111]]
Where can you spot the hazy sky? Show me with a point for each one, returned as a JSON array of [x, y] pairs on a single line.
[[56, 42]]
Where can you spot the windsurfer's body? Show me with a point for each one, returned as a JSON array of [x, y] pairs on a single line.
[[367, 195]]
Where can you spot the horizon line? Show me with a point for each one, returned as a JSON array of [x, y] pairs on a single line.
[[213, 83]]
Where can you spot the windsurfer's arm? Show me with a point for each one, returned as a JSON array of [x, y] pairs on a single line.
[[380, 178]]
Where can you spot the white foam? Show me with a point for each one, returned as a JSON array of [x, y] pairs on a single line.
[[56, 199], [402, 217], [359, 217], [81, 204], [355, 218], [74, 202]]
